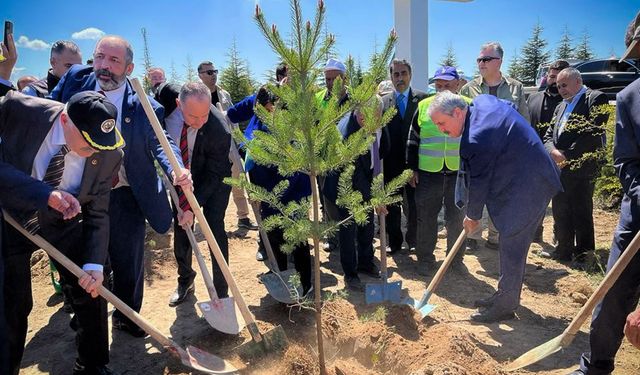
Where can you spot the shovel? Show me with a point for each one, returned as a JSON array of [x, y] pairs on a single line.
[[276, 282], [384, 291], [423, 306], [564, 340], [221, 313], [273, 339], [192, 357]]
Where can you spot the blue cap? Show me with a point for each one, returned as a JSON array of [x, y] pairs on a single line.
[[446, 73]]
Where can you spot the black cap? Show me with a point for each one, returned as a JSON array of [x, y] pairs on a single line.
[[95, 117], [166, 95]]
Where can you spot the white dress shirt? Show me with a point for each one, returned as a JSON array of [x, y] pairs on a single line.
[[174, 123]]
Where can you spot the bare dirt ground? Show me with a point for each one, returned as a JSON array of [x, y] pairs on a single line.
[[360, 339]]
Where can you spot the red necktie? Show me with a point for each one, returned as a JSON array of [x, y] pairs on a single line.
[[184, 151]]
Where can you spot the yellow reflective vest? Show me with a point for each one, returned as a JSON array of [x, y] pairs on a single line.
[[436, 148]]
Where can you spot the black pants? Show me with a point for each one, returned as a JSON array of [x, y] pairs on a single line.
[[214, 210], [394, 220], [356, 245], [301, 257], [609, 317], [434, 190], [92, 339], [573, 217]]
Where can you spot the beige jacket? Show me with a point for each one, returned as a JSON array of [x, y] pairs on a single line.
[[509, 89]]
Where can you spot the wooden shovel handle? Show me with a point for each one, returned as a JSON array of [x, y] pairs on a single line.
[[383, 246], [447, 261], [605, 285], [193, 202], [104, 292], [208, 281]]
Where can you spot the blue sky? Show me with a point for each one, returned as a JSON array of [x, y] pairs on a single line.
[[204, 29]]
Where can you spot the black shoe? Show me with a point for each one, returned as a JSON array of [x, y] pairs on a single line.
[[129, 328], [80, 369], [492, 315], [561, 256], [371, 271], [353, 283], [73, 323], [181, 293], [393, 250], [261, 255], [492, 245], [484, 302], [246, 224], [471, 245]]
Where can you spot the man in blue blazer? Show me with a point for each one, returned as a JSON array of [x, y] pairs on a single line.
[[608, 322], [137, 192], [504, 165]]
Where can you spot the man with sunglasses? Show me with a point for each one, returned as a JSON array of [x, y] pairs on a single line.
[[493, 82], [221, 99]]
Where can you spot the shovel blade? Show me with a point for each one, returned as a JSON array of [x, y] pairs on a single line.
[[381, 292], [274, 339], [200, 360], [279, 286], [536, 354], [426, 310], [224, 316]]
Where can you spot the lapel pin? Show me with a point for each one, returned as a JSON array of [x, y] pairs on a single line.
[[127, 120], [94, 161]]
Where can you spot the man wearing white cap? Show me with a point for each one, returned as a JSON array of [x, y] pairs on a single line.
[[613, 317], [332, 69]]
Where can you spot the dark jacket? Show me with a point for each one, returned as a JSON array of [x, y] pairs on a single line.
[[541, 106], [23, 118], [576, 142], [398, 131], [505, 166], [363, 173], [141, 146]]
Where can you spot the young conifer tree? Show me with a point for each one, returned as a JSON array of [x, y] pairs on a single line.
[[303, 137]]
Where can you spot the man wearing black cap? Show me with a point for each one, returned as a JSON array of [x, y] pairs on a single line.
[[199, 129], [613, 317], [541, 106], [74, 148]]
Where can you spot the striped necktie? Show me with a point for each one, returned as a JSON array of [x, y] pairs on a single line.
[[184, 152], [52, 177]]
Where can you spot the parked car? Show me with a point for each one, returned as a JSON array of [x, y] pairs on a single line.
[[607, 75]]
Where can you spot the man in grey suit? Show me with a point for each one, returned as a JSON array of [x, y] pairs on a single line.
[[608, 323]]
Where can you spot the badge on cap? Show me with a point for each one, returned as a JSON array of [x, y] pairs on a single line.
[[108, 125]]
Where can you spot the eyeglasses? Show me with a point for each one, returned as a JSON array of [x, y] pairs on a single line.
[[486, 59], [209, 72]]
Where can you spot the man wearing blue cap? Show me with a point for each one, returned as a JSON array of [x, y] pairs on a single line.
[[434, 158], [74, 148]]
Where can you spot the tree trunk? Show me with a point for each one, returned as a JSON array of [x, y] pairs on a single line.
[[316, 267]]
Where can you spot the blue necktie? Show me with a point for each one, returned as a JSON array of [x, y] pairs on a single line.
[[402, 107]]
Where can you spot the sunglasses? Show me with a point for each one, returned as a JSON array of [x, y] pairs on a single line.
[[486, 59], [209, 72]]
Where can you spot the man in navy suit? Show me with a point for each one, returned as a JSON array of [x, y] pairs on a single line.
[[608, 322], [504, 165], [137, 192]]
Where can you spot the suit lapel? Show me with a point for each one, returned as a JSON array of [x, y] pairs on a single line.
[[91, 167], [412, 105]]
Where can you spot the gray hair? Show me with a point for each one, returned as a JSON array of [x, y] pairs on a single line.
[[571, 73], [445, 102], [495, 46], [128, 55], [399, 62], [194, 89], [375, 100], [64, 45]]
